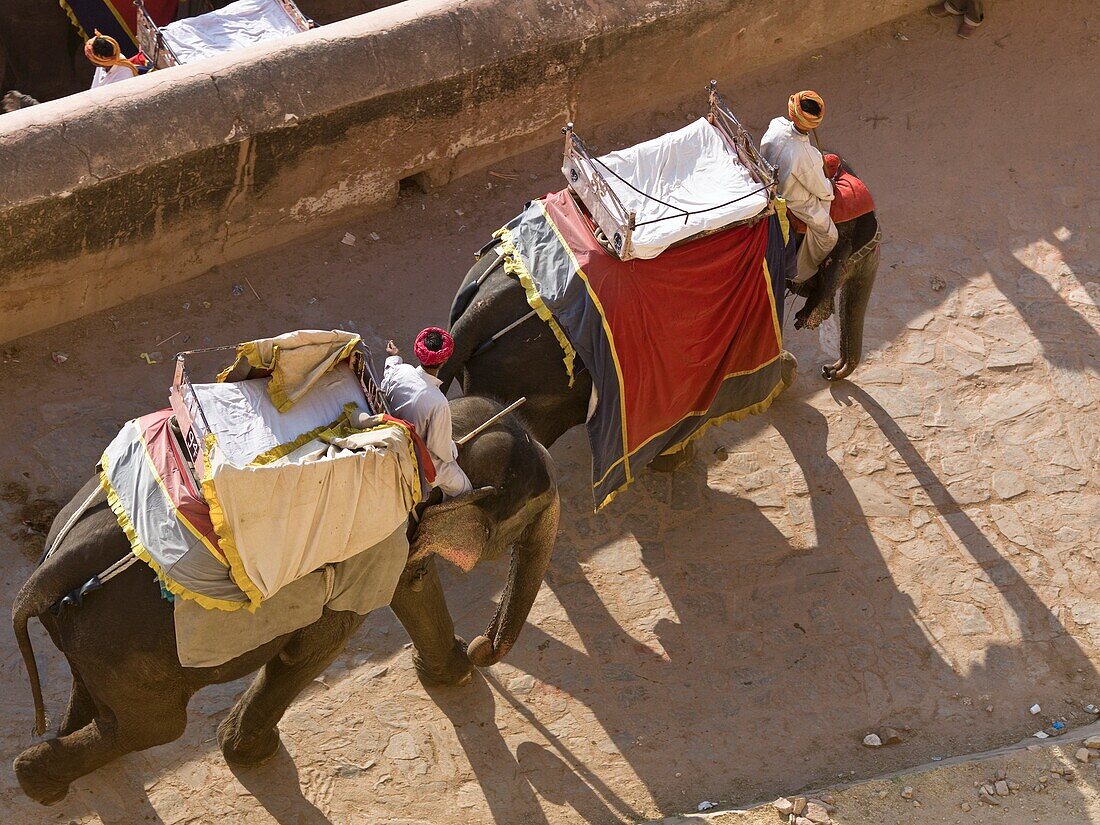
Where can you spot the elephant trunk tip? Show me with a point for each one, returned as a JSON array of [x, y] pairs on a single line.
[[483, 653]]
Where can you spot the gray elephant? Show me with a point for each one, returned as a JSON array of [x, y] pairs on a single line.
[[528, 360], [130, 691]]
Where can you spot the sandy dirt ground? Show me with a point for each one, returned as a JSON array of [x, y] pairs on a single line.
[[915, 548], [1042, 783]]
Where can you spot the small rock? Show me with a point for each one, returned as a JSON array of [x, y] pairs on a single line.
[[1044, 778], [916, 803], [829, 807], [907, 792], [816, 813], [989, 708], [1014, 786], [1000, 774], [828, 799], [1082, 755], [988, 789], [1093, 742], [937, 283], [1001, 787], [706, 805], [890, 736], [882, 794], [798, 805], [872, 740], [965, 807], [784, 806], [987, 799]]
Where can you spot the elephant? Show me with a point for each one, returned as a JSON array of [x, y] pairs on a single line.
[[44, 55], [130, 691], [527, 361]]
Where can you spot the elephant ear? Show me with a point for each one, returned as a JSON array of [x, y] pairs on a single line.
[[454, 530]]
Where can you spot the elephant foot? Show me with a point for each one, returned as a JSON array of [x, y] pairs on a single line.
[[674, 461], [457, 671], [247, 751], [788, 368], [31, 769]]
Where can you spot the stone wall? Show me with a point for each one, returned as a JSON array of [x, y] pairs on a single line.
[[119, 191]]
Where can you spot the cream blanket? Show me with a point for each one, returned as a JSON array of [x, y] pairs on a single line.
[[208, 638], [328, 499]]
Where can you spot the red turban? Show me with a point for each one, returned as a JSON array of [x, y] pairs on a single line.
[[429, 357]]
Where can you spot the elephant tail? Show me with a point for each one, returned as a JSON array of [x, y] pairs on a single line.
[[33, 600]]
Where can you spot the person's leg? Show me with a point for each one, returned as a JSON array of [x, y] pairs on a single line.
[[973, 15], [945, 9], [819, 242]]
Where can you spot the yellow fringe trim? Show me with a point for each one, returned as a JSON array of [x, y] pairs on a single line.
[[225, 535], [72, 19], [139, 550], [513, 265], [249, 352], [781, 212], [736, 415]]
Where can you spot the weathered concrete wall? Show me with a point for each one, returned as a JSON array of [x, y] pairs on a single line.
[[119, 191]]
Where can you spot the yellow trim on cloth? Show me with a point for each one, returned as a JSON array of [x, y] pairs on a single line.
[[282, 394], [610, 340], [340, 428], [225, 535], [514, 265], [72, 18], [139, 550], [736, 415], [780, 205]]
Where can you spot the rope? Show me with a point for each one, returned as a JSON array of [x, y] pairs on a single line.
[[73, 519], [686, 214]]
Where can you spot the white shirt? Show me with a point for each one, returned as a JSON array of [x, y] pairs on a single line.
[[802, 181], [414, 396], [114, 74]]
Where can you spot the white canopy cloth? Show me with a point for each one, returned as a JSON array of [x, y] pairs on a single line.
[[243, 418], [694, 171], [236, 26]]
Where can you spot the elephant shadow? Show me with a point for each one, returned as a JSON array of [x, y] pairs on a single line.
[[745, 645]]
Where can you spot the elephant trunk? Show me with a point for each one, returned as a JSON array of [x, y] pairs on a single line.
[[530, 561], [855, 294]]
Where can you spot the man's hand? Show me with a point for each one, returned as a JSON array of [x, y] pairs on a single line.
[[391, 348]]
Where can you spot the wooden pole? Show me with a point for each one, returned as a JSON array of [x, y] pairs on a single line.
[[490, 422]]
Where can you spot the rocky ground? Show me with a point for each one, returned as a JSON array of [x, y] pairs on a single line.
[[1028, 782], [914, 549]]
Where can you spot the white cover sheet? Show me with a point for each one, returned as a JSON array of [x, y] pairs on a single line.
[[236, 26], [692, 169], [245, 422]]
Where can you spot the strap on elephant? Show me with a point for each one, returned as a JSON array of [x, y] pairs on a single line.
[[76, 597]]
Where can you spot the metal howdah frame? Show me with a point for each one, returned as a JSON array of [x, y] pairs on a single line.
[[604, 206], [151, 40], [194, 425]]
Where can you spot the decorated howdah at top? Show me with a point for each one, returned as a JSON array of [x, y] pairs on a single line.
[[286, 463]]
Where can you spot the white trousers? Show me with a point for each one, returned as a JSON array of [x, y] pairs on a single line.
[[820, 239]]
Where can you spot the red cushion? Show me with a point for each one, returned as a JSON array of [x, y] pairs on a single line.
[[851, 198]]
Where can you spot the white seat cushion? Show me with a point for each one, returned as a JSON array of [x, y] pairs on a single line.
[[236, 26], [693, 170]]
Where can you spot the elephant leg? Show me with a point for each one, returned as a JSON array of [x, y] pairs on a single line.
[[81, 709], [673, 461], [249, 735], [45, 770], [439, 656]]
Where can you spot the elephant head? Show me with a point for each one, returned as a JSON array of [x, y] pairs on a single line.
[[514, 506]]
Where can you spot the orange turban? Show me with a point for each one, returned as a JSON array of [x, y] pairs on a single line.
[[116, 58], [803, 119]]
